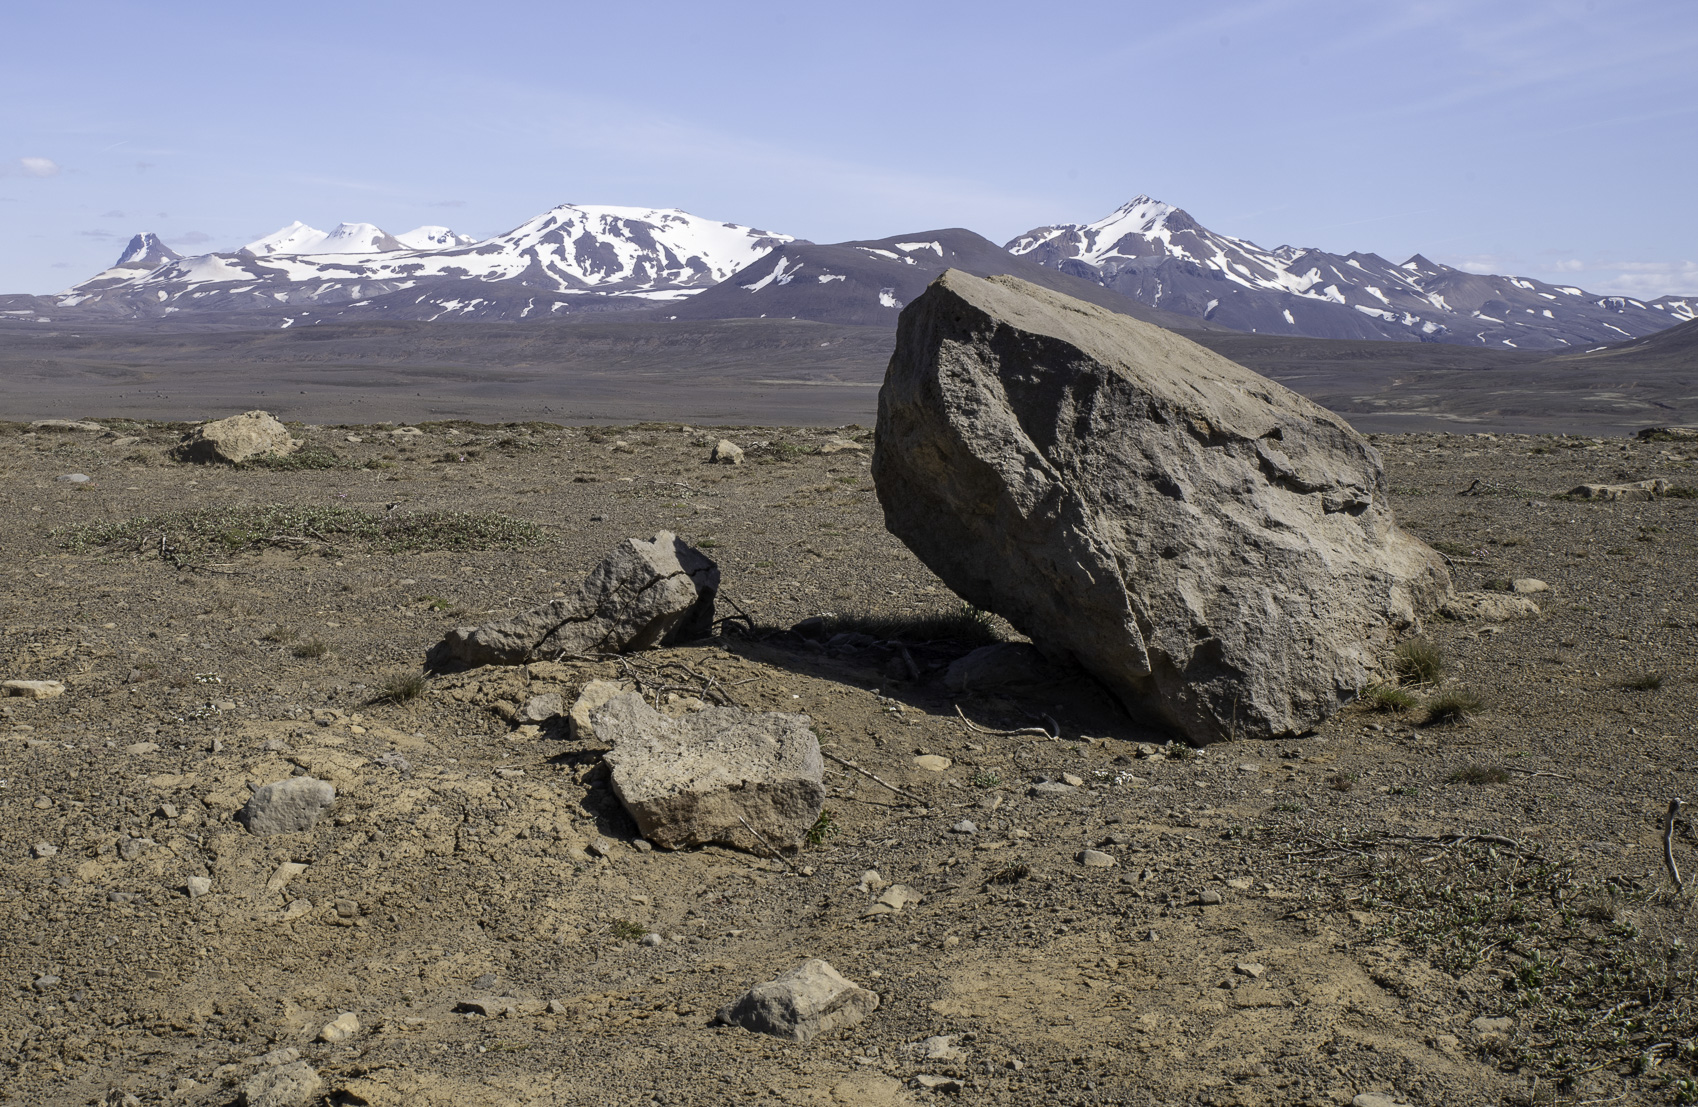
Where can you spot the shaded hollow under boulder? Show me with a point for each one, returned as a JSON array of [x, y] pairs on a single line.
[[719, 775], [1217, 550], [643, 594]]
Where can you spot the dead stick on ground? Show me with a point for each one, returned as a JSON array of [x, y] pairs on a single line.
[[874, 778], [1668, 844], [1006, 733], [767, 844]]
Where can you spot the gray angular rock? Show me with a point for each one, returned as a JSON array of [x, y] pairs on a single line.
[[643, 594], [286, 806], [809, 1000], [239, 438], [700, 777], [1217, 550], [290, 1085], [542, 707]]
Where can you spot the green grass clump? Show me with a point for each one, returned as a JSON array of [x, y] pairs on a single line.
[[311, 649], [1479, 774], [1418, 661], [824, 827], [1387, 698], [626, 931], [400, 688], [1454, 706], [984, 778], [229, 530]]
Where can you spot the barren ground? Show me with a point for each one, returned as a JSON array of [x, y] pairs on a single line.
[[464, 869]]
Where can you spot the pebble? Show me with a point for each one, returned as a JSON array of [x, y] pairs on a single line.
[[871, 881], [197, 886], [651, 939], [965, 826], [43, 849], [1096, 859], [1487, 1024], [343, 1027], [168, 811], [601, 847], [286, 872], [291, 1085], [1210, 898], [140, 749], [42, 983], [1249, 767], [1072, 781], [1250, 969], [33, 689], [1376, 1099], [131, 848], [931, 762], [946, 1084]]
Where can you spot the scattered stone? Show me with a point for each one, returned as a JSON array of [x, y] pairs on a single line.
[[1250, 969], [933, 763], [507, 1006], [33, 689], [278, 1057], [291, 1085], [809, 1000], [42, 983], [1523, 586], [1635, 492], [197, 886], [940, 1047], [117, 1097], [643, 594], [286, 806], [1219, 551], [393, 760], [726, 452], [1649, 434], [43, 849], [1096, 859], [1051, 788], [237, 439], [1488, 1024], [343, 1027], [1211, 898], [543, 707], [895, 898], [66, 425], [1249, 767], [837, 445], [712, 775], [651, 939], [1072, 781], [168, 811], [871, 881], [1004, 667], [1491, 607], [72, 478], [286, 872], [601, 847], [142, 749], [131, 848], [965, 826]]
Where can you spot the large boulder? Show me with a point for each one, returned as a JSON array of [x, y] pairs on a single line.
[[236, 439], [713, 775], [1216, 549], [811, 999], [643, 594]]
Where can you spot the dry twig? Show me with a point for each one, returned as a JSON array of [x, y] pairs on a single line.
[[1008, 733], [875, 779]]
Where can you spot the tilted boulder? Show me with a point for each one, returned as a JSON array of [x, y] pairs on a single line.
[[1216, 549], [810, 999], [236, 439], [718, 775], [644, 594]]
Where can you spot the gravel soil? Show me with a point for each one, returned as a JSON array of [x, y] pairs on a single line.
[[1296, 922]]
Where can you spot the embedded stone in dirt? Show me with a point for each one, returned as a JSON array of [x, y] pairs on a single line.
[[809, 1000], [288, 1085], [595, 694], [285, 806], [837, 445], [1219, 551], [33, 689], [340, 1029], [1491, 607], [239, 438], [643, 594], [1006, 666], [713, 775], [1637, 491], [1525, 586], [543, 707], [726, 452]]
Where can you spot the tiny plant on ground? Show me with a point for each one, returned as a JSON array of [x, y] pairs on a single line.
[[1341, 782], [401, 687], [1479, 774], [824, 827], [984, 778], [311, 648], [1418, 661], [1454, 706], [625, 930]]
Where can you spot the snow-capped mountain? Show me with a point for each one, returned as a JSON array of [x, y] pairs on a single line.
[[143, 255], [1157, 254], [568, 252]]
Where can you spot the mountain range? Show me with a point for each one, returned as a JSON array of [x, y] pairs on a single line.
[[1147, 258]]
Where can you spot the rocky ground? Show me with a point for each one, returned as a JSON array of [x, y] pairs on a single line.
[[1305, 921]]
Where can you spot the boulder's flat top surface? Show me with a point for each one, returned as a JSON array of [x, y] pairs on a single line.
[[481, 859]]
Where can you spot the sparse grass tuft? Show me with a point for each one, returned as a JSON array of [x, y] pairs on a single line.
[[984, 778], [824, 827], [400, 688], [1341, 782], [1017, 871], [281, 633], [312, 648], [1387, 698], [1418, 661], [1454, 706], [626, 931], [1643, 682], [1479, 774]]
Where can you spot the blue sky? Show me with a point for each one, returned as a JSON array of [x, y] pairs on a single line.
[[1556, 139]]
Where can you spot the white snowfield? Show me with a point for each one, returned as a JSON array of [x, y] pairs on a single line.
[[646, 252]]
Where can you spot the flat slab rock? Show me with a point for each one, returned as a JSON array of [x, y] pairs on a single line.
[[807, 1001], [286, 806], [643, 594], [701, 777], [1217, 550]]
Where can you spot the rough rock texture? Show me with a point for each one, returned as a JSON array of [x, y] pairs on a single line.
[[291, 1085], [1218, 550], [808, 1000], [726, 452], [1491, 607], [239, 438], [595, 694], [643, 594], [1641, 491], [696, 779], [286, 806]]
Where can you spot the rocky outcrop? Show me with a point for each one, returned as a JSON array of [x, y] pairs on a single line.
[[643, 594], [1214, 548], [719, 775], [807, 1001], [236, 439]]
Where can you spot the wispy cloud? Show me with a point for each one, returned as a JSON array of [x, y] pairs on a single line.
[[32, 167]]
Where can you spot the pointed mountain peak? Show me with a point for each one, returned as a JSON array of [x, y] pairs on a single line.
[[1421, 264], [145, 251]]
